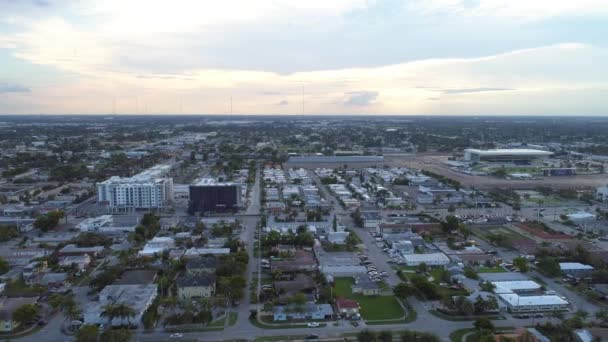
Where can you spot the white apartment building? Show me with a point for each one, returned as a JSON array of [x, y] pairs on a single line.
[[148, 190]]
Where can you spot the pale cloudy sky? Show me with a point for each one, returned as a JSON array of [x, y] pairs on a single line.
[[538, 57]]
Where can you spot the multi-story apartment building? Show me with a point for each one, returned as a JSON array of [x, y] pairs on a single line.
[[148, 190]]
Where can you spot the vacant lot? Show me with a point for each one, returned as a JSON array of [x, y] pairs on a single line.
[[435, 164], [372, 307], [510, 235]]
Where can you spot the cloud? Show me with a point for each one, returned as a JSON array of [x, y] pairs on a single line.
[[473, 90], [282, 103], [13, 88], [360, 98]]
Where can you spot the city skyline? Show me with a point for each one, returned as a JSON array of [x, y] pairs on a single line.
[[451, 57]]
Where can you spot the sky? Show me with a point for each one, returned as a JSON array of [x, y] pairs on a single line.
[[449, 57]]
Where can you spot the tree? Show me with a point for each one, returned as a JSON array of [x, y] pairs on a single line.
[[119, 335], [124, 311], [483, 323], [549, 266], [601, 315], [366, 336], [4, 266], [87, 333], [451, 223], [470, 273], [109, 312], [521, 263], [385, 336], [422, 268], [403, 290], [48, 221], [25, 313]]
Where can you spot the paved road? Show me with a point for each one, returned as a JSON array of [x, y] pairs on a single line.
[[250, 225]]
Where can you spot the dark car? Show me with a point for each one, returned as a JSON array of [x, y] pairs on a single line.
[[312, 337]]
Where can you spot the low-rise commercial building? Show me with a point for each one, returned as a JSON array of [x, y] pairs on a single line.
[[518, 303], [137, 297], [576, 269], [431, 259]]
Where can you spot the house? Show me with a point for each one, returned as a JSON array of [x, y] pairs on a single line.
[[347, 307], [73, 250], [275, 207], [337, 237], [403, 247], [157, 246], [195, 285], [81, 261], [576, 269], [203, 264], [54, 280], [365, 286], [371, 219], [302, 283], [8, 307], [196, 252], [302, 261], [285, 249], [308, 311]]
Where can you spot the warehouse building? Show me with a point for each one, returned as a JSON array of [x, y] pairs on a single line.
[[518, 156]]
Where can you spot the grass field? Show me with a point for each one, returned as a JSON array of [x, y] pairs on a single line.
[[372, 307], [509, 234]]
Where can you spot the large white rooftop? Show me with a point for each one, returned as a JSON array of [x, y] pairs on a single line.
[[574, 266], [515, 285], [509, 152], [516, 300]]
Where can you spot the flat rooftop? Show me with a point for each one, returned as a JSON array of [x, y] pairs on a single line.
[[509, 152], [213, 182]]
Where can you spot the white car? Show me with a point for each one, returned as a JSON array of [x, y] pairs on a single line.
[[176, 335], [313, 325]]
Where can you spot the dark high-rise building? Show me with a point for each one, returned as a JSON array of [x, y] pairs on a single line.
[[211, 196]]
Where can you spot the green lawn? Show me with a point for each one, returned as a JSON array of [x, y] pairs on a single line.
[[218, 323], [372, 307], [232, 318]]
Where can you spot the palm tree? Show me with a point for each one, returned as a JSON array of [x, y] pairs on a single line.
[[123, 310], [109, 311], [601, 315], [582, 314]]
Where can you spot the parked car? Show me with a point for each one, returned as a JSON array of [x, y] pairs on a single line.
[[313, 325]]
